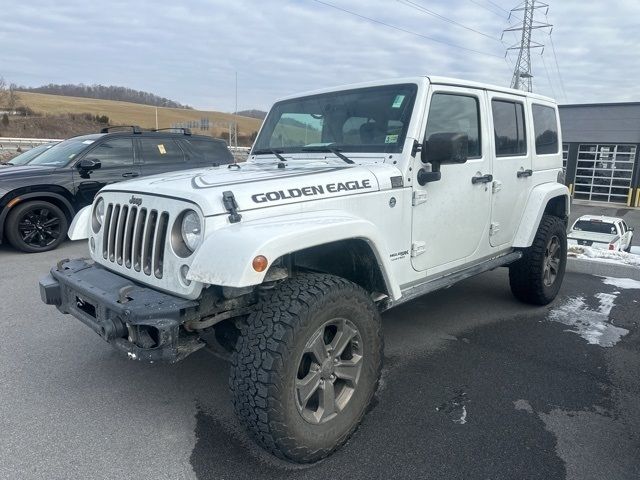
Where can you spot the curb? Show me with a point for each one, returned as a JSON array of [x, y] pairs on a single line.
[[602, 269]]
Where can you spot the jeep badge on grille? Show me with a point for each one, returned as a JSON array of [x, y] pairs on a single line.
[[135, 200]]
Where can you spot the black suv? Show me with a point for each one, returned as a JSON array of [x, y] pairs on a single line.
[[38, 200]]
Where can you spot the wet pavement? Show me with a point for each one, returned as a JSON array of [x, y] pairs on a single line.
[[475, 386]]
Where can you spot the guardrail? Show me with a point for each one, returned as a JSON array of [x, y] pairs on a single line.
[[13, 143]]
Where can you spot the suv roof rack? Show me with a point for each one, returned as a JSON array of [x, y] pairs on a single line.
[[134, 128], [186, 131]]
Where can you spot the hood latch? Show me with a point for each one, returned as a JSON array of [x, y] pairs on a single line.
[[231, 206]]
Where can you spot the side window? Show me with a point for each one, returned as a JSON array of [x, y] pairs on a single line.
[[214, 151], [113, 152], [451, 113], [160, 150], [509, 129], [625, 227], [545, 127], [621, 228]]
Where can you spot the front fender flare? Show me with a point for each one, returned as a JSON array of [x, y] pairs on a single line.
[[225, 258], [536, 204]]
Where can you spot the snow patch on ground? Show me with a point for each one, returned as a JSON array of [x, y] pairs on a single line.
[[592, 325], [626, 283], [579, 251]]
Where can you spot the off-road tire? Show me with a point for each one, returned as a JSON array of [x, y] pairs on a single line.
[[526, 276], [17, 215], [266, 363]]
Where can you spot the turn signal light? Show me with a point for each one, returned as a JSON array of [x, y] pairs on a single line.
[[260, 263], [610, 246]]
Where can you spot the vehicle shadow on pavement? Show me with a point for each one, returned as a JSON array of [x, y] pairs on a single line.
[[474, 403]]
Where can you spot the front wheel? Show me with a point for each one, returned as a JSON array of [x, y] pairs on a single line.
[[536, 278], [306, 366], [36, 226]]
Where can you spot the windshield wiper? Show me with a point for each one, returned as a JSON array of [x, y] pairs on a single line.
[[328, 149], [273, 151]]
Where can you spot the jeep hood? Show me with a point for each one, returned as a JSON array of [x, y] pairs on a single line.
[[258, 185]]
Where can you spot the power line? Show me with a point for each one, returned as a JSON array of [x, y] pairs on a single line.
[[400, 29], [553, 90], [488, 9], [498, 6], [555, 57], [422, 9]]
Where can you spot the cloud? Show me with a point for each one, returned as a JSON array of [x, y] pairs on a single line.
[[190, 51]]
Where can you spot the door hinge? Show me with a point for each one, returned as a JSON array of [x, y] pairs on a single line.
[[496, 186], [418, 197], [494, 228], [418, 248]]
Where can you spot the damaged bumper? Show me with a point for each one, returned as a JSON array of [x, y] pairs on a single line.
[[141, 322]]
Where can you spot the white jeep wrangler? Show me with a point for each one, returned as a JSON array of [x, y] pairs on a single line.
[[354, 200]]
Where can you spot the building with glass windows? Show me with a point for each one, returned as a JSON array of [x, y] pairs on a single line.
[[600, 150]]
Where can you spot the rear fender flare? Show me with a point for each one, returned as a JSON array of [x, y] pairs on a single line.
[[537, 202]]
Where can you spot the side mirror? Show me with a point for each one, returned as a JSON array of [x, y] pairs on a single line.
[[631, 229], [89, 164], [446, 147]]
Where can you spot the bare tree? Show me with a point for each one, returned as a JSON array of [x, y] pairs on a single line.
[[3, 92], [12, 97]]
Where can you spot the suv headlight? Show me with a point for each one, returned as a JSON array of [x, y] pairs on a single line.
[[191, 230], [98, 215]]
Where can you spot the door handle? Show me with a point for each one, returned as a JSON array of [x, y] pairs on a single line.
[[524, 173], [130, 174], [482, 179]]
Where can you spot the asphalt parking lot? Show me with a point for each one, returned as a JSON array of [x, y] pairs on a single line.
[[475, 386]]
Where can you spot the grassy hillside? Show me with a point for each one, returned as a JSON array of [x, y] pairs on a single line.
[[124, 113]]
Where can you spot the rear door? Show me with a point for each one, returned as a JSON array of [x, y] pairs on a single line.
[[117, 159], [160, 155], [512, 174], [450, 225]]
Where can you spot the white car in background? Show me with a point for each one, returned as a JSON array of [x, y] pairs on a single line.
[[598, 231]]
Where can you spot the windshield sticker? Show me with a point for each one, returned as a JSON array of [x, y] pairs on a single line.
[[391, 139], [397, 103], [161, 149], [88, 142]]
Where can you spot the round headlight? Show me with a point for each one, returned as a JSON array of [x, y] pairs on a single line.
[[98, 215], [191, 230]]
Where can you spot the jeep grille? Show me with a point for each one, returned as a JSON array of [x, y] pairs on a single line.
[[135, 237]]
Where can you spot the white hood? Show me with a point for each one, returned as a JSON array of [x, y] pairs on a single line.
[[258, 185]]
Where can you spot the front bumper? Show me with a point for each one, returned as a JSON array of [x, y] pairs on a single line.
[[141, 322]]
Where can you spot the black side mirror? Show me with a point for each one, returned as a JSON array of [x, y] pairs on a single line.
[[89, 164], [446, 147]]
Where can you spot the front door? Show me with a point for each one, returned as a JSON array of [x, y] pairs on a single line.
[[512, 172], [117, 164], [450, 226]]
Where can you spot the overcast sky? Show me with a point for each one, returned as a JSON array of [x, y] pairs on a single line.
[[189, 50]]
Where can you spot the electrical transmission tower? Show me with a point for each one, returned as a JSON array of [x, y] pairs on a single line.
[[522, 72]]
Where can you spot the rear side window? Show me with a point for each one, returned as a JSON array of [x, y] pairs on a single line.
[[545, 127], [451, 113], [509, 129], [212, 151], [160, 150]]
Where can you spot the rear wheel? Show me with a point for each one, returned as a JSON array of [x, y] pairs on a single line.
[[536, 278], [307, 365], [36, 226]]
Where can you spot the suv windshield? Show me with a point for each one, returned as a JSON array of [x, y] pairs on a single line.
[[29, 155], [62, 153], [595, 227], [362, 120]]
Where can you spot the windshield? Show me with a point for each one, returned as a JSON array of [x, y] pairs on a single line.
[[29, 155], [363, 120], [595, 227], [62, 153]]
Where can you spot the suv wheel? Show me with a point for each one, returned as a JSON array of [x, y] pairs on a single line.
[[306, 366], [36, 226], [536, 278]]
